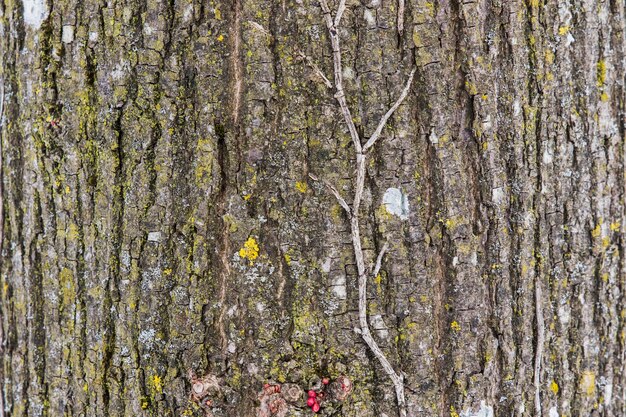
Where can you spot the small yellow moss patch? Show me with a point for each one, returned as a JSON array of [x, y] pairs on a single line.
[[471, 88], [301, 186], [554, 387], [601, 72], [563, 30], [157, 384], [455, 326], [250, 250], [596, 230]]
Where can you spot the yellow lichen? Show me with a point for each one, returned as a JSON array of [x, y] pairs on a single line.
[[597, 230], [455, 326], [554, 387], [220, 38], [601, 72], [250, 250], [301, 186], [563, 30], [471, 88], [157, 384], [614, 226]]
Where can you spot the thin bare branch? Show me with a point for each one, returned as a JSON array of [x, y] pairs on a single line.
[[372, 140], [340, 199], [340, 10], [340, 95], [317, 70], [379, 259], [396, 377]]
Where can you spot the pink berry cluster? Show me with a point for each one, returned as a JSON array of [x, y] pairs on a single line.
[[336, 391], [314, 400]]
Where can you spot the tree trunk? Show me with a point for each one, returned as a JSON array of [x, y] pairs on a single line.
[[158, 214]]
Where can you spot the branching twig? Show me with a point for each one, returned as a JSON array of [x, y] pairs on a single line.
[[372, 140], [340, 199], [360, 152], [379, 259], [317, 70], [340, 10], [339, 95]]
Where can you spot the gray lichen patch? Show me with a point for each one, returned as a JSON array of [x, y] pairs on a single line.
[[396, 203]]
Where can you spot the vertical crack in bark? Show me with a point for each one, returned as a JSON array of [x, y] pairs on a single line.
[[236, 62], [224, 249]]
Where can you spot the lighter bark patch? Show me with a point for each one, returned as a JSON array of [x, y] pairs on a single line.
[[484, 411], [35, 12], [68, 34]]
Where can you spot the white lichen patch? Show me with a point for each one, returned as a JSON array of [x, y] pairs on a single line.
[[154, 236], [396, 203], [35, 12], [68, 34], [146, 338], [497, 195], [484, 411]]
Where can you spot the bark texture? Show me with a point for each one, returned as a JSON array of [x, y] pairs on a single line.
[[158, 215]]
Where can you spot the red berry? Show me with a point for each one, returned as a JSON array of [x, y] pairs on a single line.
[[316, 407], [325, 381], [310, 402], [312, 394]]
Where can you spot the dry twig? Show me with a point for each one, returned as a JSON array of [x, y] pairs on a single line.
[[360, 151]]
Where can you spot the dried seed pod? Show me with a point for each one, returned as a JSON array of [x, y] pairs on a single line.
[[204, 391], [292, 393], [270, 389], [341, 388]]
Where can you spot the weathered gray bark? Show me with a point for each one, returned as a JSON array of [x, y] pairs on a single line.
[[158, 215]]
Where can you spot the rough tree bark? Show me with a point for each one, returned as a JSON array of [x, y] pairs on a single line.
[[158, 214]]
